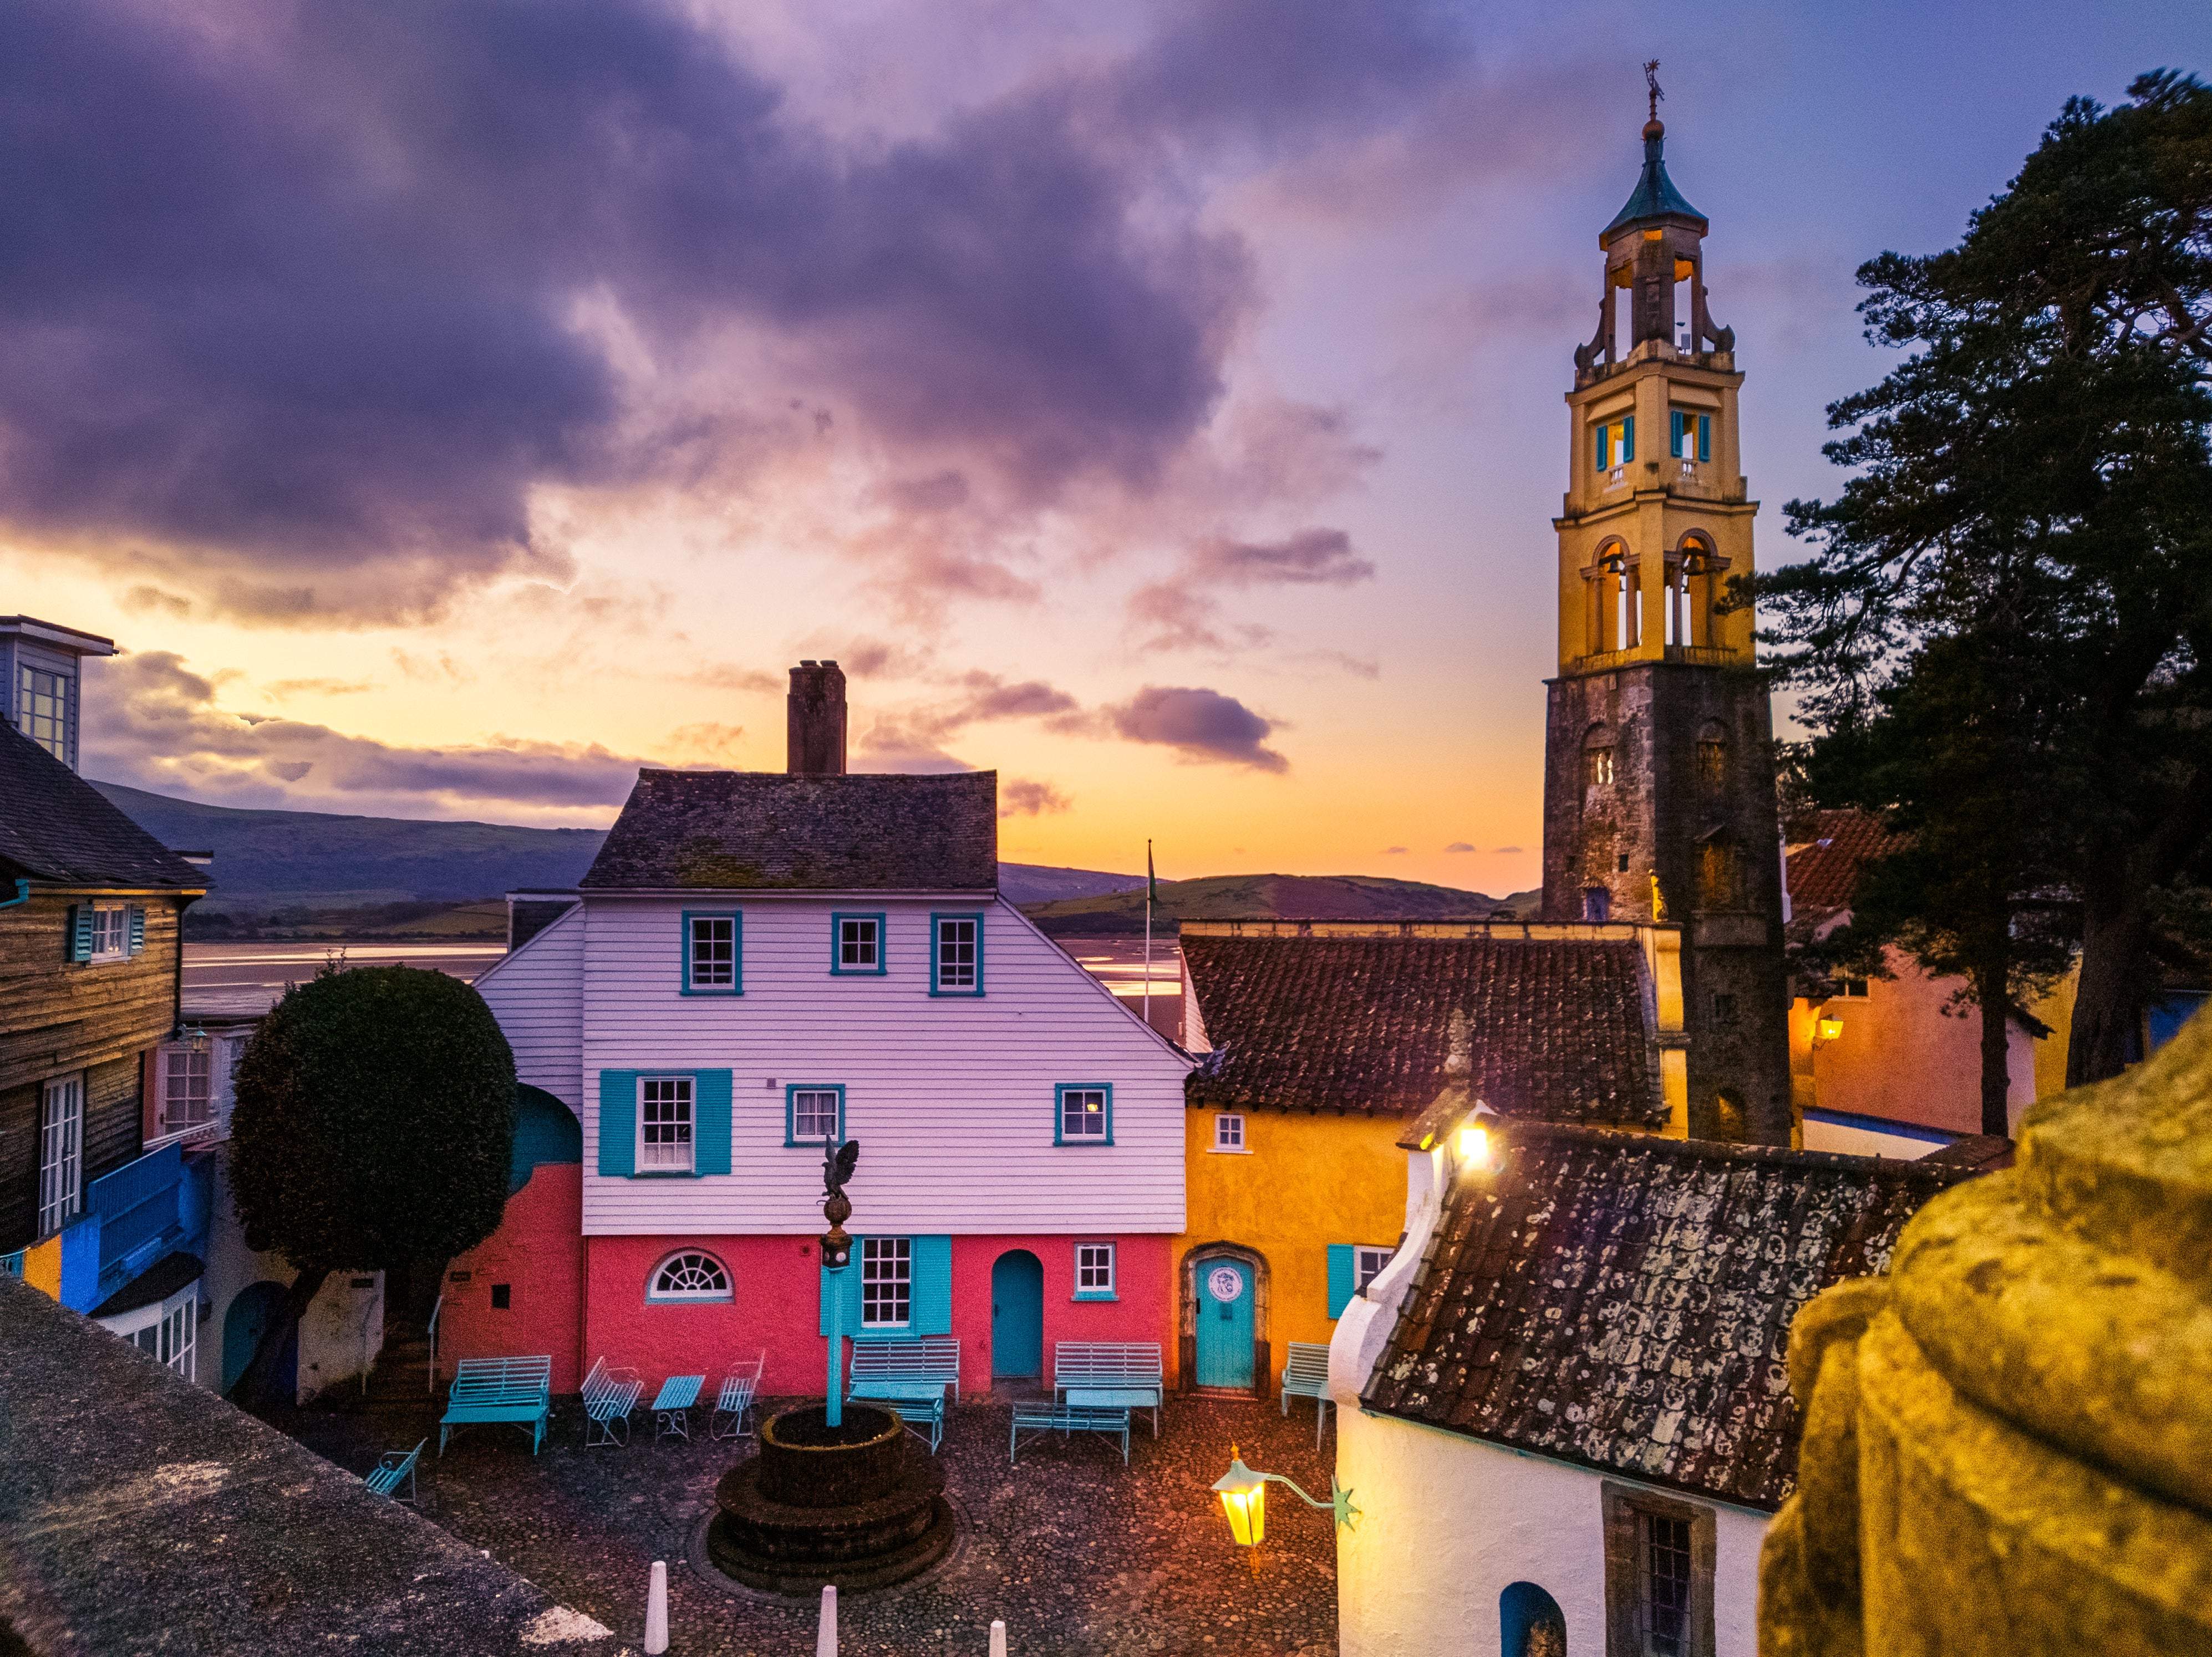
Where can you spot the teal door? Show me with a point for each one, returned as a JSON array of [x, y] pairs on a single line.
[[252, 1310], [1224, 1323], [1017, 1315]]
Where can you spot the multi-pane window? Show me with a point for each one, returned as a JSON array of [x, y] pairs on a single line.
[[690, 1276], [1667, 1585], [187, 1086], [664, 1123], [814, 1114], [61, 1152], [1367, 1265], [1855, 988], [886, 1282], [42, 710], [860, 944], [1229, 1131], [1085, 1113], [172, 1338], [959, 954], [111, 932], [713, 952], [1094, 1269]]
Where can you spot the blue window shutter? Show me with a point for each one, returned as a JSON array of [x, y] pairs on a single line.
[[710, 1088], [618, 1123], [1604, 434], [80, 931], [851, 1286], [137, 929], [930, 1312], [683, 959], [1704, 437], [737, 954], [1676, 420], [1627, 439], [1339, 1279]]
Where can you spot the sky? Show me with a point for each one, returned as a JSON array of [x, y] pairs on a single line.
[[450, 407]]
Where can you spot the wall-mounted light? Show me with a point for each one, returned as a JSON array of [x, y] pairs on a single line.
[[1826, 1027], [1474, 1147], [1243, 1495]]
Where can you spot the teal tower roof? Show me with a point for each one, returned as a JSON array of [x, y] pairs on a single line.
[[1655, 196]]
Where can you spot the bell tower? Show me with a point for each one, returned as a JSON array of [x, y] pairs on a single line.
[[1659, 781]]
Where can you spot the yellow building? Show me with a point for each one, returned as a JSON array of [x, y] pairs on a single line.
[[1324, 1040]]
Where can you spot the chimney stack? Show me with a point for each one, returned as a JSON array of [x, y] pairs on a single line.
[[815, 739]]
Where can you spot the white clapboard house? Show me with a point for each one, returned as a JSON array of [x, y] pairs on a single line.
[[758, 962]]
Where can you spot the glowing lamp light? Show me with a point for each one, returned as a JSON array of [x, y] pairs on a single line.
[[1828, 1029], [1475, 1146], [1243, 1495]]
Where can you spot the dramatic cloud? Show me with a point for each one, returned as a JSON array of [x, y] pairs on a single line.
[[914, 740], [152, 723], [1201, 726], [1020, 797], [1182, 612]]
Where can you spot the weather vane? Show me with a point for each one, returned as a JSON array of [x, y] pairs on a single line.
[[1651, 80]]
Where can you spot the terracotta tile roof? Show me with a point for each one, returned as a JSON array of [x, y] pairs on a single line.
[[771, 831], [1824, 872], [1624, 1302], [55, 827], [1555, 1029]]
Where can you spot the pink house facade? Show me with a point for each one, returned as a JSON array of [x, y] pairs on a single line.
[[761, 962]]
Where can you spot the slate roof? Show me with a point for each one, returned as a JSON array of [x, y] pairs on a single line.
[[1555, 1028], [1824, 873], [771, 831], [56, 828], [1655, 196], [1624, 1302]]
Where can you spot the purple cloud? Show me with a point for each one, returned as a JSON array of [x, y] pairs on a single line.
[[1021, 796], [1201, 726], [1179, 611], [1459, 845]]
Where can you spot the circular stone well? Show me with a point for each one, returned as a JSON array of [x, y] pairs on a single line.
[[854, 1504]]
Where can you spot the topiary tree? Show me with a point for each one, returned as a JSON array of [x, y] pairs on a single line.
[[374, 1125]]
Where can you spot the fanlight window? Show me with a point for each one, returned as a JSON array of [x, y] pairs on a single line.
[[690, 1276]]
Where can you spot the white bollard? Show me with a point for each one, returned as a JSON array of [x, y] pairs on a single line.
[[825, 1635], [656, 1609], [997, 1639]]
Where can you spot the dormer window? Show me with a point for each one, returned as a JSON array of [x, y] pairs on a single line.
[[42, 710]]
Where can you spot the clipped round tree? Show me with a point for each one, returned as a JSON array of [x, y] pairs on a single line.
[[374, 1125]]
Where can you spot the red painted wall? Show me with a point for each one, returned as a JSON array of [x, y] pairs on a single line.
[[775, 1305], [538, 1254]]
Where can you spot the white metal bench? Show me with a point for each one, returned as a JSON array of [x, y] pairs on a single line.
[[1305, 1374], [1040, 1416], [1129, 1369], [610, 1394], [906, 1358], [739, 1387]]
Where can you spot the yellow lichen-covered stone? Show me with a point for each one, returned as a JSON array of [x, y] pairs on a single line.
[[2008, 1442]]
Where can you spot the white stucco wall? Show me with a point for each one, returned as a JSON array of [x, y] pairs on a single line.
[[1447, 1523]]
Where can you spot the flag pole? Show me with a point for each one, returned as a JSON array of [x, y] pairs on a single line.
[[1151, 883]]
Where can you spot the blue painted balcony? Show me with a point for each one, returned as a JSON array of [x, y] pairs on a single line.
[[148, 1209]]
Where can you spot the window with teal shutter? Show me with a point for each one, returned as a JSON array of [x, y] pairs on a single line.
[[137, 931], [1602, 449], [932, 1312], [618, 1123], [848, 1284], [712, 1132], [1628, 440], [80, 931], [1704, 437], [1678, 425], [1340, 1284]]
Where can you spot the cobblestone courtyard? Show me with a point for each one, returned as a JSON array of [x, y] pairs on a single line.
[[1080, 1556]]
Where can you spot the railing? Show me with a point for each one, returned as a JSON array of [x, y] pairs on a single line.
[[139, 1214], [1606, 661]]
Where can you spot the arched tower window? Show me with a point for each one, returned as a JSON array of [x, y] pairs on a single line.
[[690, 1274], [1693, 576], [1598, 758], [1613, 606], [1712, 754]]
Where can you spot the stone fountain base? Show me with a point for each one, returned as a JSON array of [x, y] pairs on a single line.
[[856, 1505]]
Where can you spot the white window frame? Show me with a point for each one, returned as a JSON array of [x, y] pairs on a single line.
[[1229, 1134], [886, 1282], [678, 1154], [50, 732], [966, 976], [167, 1330], [169, 1123], [111, 932], [61, 1151], [1095, 1262], [1367, 1264], [712, 974], [1092, 1125], [688, 1259]]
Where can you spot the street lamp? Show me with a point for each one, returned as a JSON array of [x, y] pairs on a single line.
[[1243, 1495], [1826, 1028]]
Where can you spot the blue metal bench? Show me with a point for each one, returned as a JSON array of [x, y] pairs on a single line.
[[905, 1358], [1130, 1370], [1305, 1374], [396, 1467], [1066, 1418], [739, 1387], [610, 1394], [518, 1391]]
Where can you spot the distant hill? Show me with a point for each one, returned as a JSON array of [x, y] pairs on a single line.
[[1304, 897], [321, 862]]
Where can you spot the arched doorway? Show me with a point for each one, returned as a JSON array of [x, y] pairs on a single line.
[[1531, 1622], [1017, 1316], [1225, 1316], [252, 1311]]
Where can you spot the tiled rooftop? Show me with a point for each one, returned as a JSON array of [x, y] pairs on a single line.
[[1624, 1302], [1555, 1029], [771, 831], [1824, 870], [56, 828]]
